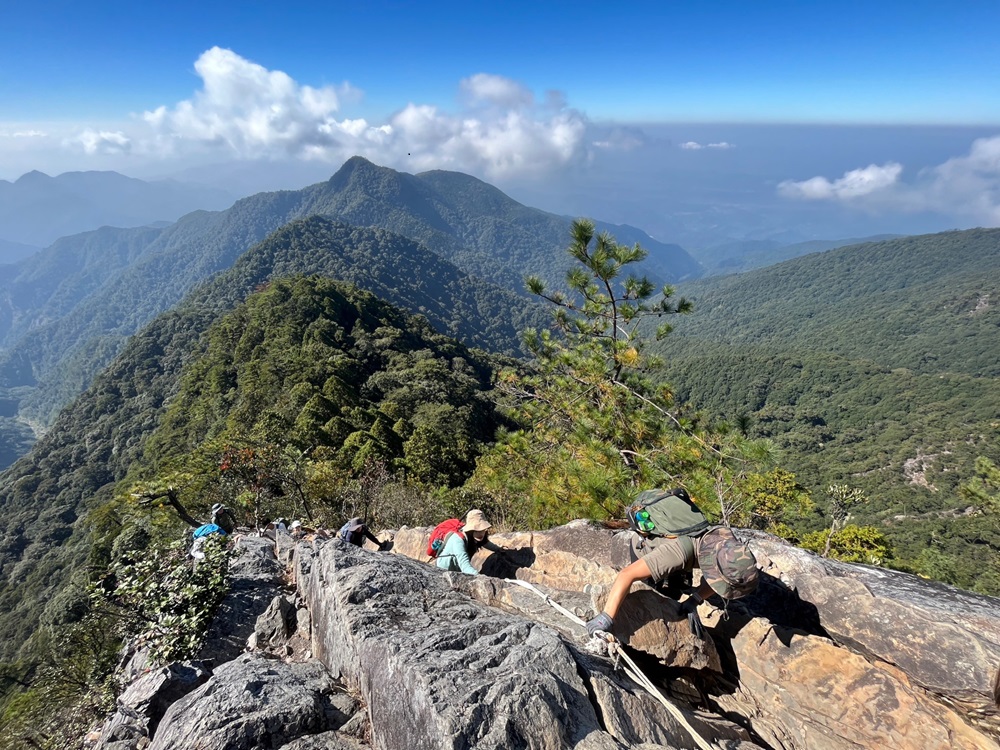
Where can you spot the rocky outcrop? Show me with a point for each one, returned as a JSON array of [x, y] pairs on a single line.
[[825, 654], [946, 641], [439, 670], [581, 556], [255, 702], [140, 708], [234, 699], [256, 578], [352, 648]]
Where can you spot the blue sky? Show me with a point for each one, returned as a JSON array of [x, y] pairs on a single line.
[[528, 95], [868, 62]]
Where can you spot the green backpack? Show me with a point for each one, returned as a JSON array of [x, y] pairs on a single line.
[[666, 513]]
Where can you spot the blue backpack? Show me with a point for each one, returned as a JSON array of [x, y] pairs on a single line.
[[206, 529]]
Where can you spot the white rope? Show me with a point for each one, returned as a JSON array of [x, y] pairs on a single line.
[[549, 599], [631, 668]]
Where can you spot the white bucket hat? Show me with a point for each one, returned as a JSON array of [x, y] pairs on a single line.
[[476, 521]]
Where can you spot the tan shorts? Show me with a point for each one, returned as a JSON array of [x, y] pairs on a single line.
[[665, 555]]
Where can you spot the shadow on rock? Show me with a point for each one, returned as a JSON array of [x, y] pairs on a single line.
[[506, 564]]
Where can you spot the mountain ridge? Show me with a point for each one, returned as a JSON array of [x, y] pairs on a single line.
[[100, 436], [37, 209], [118, 300]]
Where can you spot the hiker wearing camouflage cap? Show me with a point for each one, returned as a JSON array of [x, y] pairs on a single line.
[[673, 536]]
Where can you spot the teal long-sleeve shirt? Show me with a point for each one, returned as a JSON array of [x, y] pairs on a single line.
[[455, 555]]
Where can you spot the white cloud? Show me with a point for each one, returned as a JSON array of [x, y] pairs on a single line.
[[854, 184], [695, 146], [618, 138], [246, 111], [23, 134], [496, 90], [967, 186], [102, 142]]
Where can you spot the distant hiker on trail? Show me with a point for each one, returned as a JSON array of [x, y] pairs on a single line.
[[200, 535], [672, 537], [460, 545], [356, 531], [223, 517]]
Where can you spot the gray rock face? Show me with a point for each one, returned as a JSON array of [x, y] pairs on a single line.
[[440, 671], [325, 741], [253, 702], [824, 654], [255, 575], [143, 704], [275, 625]]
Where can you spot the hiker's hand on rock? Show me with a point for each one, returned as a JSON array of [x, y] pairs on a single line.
[[689, 607], [602, 622]]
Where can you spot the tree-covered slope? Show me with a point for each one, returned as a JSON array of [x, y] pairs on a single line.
[[929, 303], [875, 366], [51, 283], [307, 362], [66, 339], [736, 257]]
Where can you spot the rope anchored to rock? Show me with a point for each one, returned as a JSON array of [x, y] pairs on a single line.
[[617, 653]]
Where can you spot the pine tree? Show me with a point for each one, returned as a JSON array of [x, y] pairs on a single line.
[[595, 425]]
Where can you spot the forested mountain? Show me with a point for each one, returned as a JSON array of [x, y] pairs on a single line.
[[334, 357], [279, 385], [62, 321], [875, 366], [736, 257], [37, 209]]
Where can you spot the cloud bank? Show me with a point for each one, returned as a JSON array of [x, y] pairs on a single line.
[[246, 111], [964, 186]]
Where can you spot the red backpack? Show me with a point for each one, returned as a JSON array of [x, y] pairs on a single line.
[[436, 543]]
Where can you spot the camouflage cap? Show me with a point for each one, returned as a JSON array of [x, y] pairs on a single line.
[[727, 564]]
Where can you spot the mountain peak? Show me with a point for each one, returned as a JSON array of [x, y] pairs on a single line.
[[34, 177], [353, 166]]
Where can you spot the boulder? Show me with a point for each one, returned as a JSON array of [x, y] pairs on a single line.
[[254, 702], [274, 627], [804, 691], [944, 640], [141, 706]]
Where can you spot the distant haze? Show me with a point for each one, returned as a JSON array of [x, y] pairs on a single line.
[[285, 100], [680, 184]]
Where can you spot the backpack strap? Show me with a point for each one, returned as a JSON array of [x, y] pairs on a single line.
[[444, 544], [697, 530]]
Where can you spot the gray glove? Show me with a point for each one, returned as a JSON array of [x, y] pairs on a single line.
[[689, 607], [602, 622]]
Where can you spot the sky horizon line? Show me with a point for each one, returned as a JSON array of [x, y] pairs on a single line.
[[854, 110]]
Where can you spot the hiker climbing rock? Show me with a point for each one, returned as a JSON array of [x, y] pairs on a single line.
[[461, 544], [672, 536], [223, 518], [356, 531], [200, 536]]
